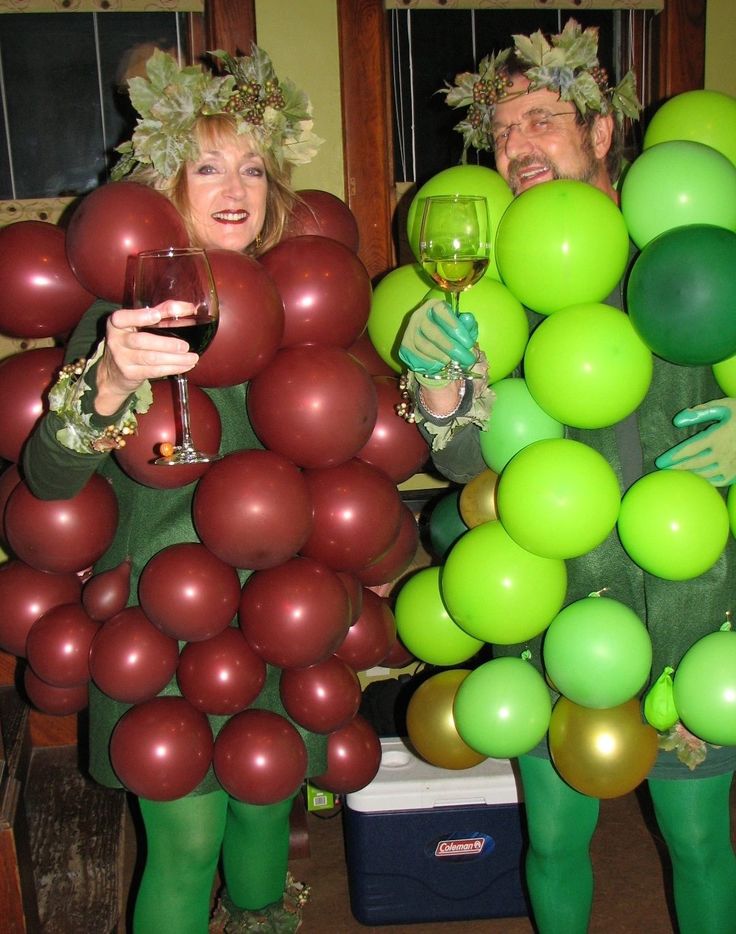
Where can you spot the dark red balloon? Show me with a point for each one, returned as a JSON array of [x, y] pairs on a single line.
[[296, 614], [41, 295], [323, 697], [25, 380], [315, 405], [107, 593], [353, 758], [161, 424], [113, 223], [57, 647], [9, 480], [325, 288], [354, 588], [395, 445], [130, 659], [251, 324], [260, 758], [253, 509], [319, 212], [398, 558], [62, 535], [59, 702], [221, 675], [357, 514], [398, 656], [25, 595], [188, 592], [371, 636], [161, 749], [364, 351]]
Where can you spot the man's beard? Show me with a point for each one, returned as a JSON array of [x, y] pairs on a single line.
[[587, 173]]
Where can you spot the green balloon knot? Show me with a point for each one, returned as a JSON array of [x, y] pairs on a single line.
[[526, 655]]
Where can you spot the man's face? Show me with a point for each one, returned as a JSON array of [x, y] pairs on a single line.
[[538, 139]]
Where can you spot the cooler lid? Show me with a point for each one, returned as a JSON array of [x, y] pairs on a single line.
[[406, 782]]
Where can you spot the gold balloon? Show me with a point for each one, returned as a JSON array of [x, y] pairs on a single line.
[[601, 753], [477, 502], [431, 725]]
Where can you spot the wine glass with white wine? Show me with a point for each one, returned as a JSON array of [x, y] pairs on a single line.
[[182, 279], [455, 249]]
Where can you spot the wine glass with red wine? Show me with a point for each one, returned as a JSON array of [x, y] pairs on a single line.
[[182, 278]]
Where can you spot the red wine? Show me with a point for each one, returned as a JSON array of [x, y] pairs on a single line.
[[198, 334]]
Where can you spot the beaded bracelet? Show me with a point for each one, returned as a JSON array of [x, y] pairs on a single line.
[[477, 414], [78, 434]]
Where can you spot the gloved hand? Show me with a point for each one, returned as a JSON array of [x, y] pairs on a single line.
[[712, 452], [435, 336]]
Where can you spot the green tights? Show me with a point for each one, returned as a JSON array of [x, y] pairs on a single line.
[[184, 839], [693, 817]]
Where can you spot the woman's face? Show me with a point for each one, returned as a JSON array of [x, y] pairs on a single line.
[[227, 188]]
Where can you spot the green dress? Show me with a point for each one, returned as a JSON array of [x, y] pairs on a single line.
[[676, 613], [149, 520]]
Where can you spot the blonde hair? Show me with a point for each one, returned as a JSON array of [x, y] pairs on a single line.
[[211, 132]]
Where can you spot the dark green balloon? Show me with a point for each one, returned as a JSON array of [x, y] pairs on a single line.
[[446, 524], [681, 295]]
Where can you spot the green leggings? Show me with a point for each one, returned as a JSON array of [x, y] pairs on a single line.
[[184, 839], [693, 817]]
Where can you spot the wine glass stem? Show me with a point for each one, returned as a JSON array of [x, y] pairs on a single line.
[[186, 432], [455, 302]]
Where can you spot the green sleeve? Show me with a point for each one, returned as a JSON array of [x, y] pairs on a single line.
[[51, 470]]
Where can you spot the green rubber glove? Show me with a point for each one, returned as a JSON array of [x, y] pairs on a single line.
[[712, 452], [435, 337]]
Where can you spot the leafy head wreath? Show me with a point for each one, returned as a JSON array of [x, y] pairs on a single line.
[[275, 113], [567, 63]]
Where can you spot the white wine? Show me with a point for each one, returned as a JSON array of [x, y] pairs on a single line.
[[456, 275]]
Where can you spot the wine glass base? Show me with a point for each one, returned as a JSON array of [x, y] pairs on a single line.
[[186, 456]]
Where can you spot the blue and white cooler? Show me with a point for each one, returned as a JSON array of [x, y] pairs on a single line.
[[430, 844]]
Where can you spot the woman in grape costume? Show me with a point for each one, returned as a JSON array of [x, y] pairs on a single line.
[[221, 149], [546, 111]]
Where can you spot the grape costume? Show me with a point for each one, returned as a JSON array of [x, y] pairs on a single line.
[[151, 519], [691, 806]]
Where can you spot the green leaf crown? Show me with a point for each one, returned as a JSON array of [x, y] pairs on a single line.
[[567, 63], [170, 99]]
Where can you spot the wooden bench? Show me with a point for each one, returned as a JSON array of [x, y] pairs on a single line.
[[62, 837]]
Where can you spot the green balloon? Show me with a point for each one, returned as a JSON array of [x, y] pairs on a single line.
[[731, 508], [424, 625], [394, 299], [558, 498], [515, 422], [497, 591], [446, 523], [503, 708], [677, 184], [560, 244], [705, 688], [586, 366], [681, 295], [597, 652], [503, 327], [725, 374], [707, 117], [673, 524], [462, 180]]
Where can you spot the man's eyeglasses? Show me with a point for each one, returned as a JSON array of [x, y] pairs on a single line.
[[531, 125]]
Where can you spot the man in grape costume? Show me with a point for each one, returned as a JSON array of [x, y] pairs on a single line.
[[547, 112], [221, 149]]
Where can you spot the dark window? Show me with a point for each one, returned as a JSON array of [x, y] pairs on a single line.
[[63, 110]]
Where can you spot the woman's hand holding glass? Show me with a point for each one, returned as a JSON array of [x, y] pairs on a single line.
[[133, 355]]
